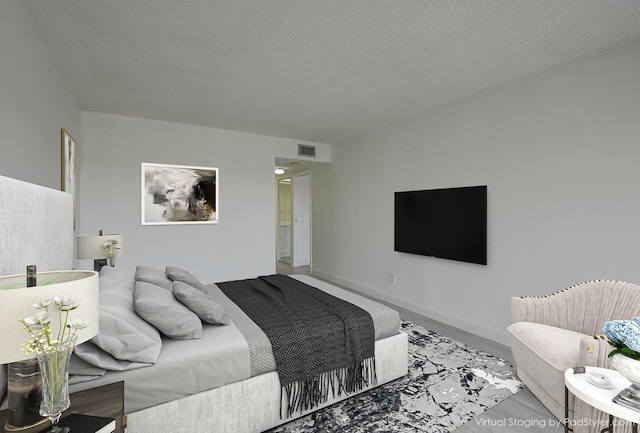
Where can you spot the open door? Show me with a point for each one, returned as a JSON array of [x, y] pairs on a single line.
[[285, 219], [302, 220]]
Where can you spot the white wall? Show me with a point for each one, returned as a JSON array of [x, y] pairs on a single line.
[[241, 245], [35, 102], [560, 154]]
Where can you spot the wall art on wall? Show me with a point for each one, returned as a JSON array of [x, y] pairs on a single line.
[[179, 194], [68, 178]]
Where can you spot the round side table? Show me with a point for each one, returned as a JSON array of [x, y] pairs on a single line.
[[599, 397]]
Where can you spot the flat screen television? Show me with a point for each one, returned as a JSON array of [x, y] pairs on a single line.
[[449, 223]]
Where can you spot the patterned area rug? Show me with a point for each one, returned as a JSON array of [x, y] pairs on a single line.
[[448, 384]]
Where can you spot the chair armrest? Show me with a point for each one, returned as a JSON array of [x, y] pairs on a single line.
[[594, 352]]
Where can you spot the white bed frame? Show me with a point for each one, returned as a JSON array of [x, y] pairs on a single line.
[[251, 405], [30, 212]]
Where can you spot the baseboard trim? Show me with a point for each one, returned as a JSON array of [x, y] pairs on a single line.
[[477, 329]]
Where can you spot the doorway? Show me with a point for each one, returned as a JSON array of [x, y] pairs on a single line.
[[285, 218], [301, 220], [293, 238]]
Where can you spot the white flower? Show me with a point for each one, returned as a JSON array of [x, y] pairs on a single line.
[[41, 335], [65, 300], [79, 324], [43, 304], [42, 317], [30, 322], [110, 248], [65, 303], [36, 322]]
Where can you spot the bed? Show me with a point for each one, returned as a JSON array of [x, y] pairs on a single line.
[[223, 380]]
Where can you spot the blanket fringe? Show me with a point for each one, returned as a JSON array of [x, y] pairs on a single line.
[[302, 395]]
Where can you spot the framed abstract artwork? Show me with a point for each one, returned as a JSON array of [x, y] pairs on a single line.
[[179, 194], [68, 178]]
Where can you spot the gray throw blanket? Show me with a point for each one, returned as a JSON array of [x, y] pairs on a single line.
[[320, 343]]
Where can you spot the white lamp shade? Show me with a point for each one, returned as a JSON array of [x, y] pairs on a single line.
[[90, 246], [16, 301]]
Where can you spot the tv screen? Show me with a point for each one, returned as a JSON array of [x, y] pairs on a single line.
[[449, 223]]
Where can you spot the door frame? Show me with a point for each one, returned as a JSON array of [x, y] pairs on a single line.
[[280, 198], [295, 211]]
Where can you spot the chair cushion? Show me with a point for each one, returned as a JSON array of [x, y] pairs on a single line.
[[544, 353]]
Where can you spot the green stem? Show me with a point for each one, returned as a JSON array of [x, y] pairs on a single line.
[[63, 327], [52, 279], [47, 332]]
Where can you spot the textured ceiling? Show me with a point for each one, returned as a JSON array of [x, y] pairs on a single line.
[[324, 71]]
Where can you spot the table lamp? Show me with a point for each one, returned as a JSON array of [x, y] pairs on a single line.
[[92, 247], [16, 301]]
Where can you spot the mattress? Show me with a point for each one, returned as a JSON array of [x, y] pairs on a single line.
[[225, 354]]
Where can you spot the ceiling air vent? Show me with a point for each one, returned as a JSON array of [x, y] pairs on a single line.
[[306, 150]]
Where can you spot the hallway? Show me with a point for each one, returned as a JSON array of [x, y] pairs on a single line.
[[287, 269]]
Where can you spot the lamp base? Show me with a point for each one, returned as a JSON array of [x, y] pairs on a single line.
[[24, 396], [99, 264], [34, 428]]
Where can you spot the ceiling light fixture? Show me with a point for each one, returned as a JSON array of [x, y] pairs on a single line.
[[279, 170]]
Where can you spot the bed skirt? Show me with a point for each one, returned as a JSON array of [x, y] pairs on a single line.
[[251, 405]]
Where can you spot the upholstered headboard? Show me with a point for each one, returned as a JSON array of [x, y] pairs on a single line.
[[36, 227]]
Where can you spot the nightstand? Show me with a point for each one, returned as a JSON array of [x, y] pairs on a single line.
[[107, 400]]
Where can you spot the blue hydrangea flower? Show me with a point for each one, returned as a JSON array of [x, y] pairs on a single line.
[[609, 329], [625, 332], [633, 343]]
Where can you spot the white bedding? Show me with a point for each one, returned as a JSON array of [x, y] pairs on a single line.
[[251, 405], [184, 367], [223, 356]]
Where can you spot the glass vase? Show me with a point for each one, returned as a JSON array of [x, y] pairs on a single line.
[[629, 368], [111, 259], [54, 368]]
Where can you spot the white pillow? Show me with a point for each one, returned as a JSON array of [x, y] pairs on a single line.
[[153, 276], [160, 308], [122, 333], [178, 274], [207, 309]]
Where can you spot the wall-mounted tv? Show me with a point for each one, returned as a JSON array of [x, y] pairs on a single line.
[[449, 223]]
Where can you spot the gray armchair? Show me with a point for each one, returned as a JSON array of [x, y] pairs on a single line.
[[552, 333]]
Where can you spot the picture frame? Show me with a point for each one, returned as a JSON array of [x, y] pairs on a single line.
[[68, 167], [179, 194]]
